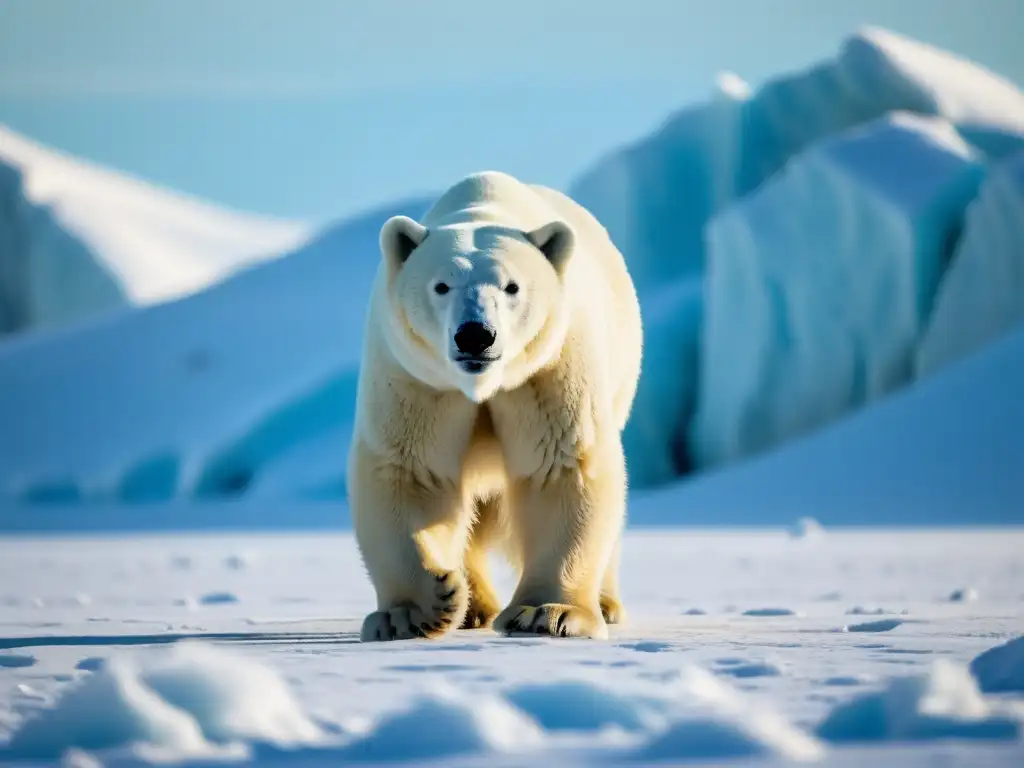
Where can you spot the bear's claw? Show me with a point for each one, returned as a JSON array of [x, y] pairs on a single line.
[[407, 621]]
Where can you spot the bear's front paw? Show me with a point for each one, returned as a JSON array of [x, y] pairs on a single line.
[[554, 619], [445, 609]]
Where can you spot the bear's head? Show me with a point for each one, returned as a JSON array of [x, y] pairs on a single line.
[[477, 307]]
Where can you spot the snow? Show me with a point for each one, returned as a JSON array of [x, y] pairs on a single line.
[[982, 294], [734, 728], [447, 723], [942, 703], [81, 238], [823, 281], [1001, 669], [191, 697], [278, 680]]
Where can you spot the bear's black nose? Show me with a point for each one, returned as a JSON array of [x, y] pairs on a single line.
[[474, 338]]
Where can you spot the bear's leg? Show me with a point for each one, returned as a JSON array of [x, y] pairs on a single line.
[[483, 601], [611, 604], [412, 539], [567, 528]]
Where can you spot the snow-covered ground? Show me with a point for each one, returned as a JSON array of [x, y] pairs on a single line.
[[816, 646], [77, 238], [856, 326]]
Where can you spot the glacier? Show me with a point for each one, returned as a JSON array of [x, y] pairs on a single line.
[[982, 293], [822, 282], [78, 239]]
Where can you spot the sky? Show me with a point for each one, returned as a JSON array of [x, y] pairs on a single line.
[[316, 109]]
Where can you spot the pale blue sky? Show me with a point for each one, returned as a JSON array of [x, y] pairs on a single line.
[[315, 109]]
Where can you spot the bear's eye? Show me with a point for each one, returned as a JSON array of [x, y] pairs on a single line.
[[512, 289], [441, 289]]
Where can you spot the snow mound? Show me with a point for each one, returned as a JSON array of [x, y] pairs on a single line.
[[1001, 669], [445, 723], [583, 705], [194, 398], [945, 703], [900, 460], [725, 725], [231, 697], [79, 238], [982, 294], [823, 281], [188, 702]]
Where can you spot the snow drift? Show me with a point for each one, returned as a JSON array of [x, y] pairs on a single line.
[[187, 702], [76, 239], [945, 703]]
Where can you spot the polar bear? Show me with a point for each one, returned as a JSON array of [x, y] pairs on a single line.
[[502, 350]]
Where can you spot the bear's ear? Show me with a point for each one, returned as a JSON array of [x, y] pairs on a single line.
[[555, 240], [399, 237]]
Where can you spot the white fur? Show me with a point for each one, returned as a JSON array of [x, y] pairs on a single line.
[[524, 456]]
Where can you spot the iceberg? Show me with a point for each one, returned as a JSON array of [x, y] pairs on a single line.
[[656, 195], [822, 281], [982, 293]]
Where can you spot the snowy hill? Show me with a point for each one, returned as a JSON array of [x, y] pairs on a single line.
[[76, 238], [831, 203], [192, 397]]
